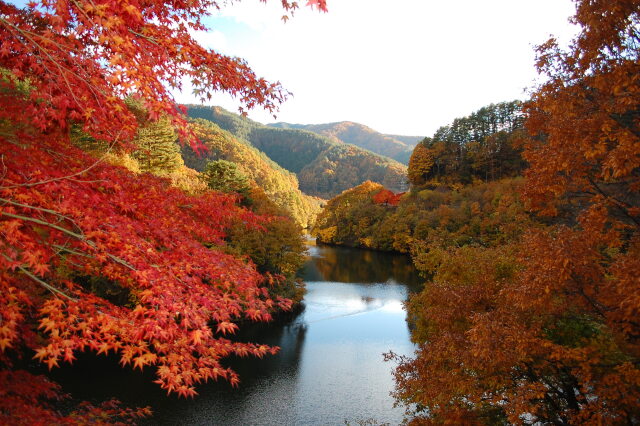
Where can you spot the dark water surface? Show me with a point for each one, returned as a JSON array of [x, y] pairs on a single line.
[[329, 369]]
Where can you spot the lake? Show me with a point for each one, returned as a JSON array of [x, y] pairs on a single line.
[[330, 366]]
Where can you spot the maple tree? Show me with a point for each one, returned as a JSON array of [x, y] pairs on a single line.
[[387, 198], [93, 257], [544, 330]]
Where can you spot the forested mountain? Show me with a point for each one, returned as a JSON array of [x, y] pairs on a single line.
[[397, 147], [480, 146], [339, 167], [280, 185], [325, 167]]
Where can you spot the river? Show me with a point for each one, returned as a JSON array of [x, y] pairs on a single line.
[[329, 370]]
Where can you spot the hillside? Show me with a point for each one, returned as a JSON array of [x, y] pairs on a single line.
[[482, 146], [325, 167], [397, 147], [337, 168], [462, 179], [280, 185]]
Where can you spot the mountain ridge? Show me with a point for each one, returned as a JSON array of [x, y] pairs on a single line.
[[396, 147], [325, 167]]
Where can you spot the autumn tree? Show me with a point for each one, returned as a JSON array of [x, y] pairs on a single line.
[[66, 216], [483, 145], [224, 176], [544, 330], [420, 164]]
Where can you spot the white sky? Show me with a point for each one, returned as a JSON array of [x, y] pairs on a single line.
[[399, 66]]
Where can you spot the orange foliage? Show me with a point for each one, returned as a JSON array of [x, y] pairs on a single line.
[[420, 164], [546, 330], [387, 197]]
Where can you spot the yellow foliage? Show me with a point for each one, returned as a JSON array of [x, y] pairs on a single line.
[[123, 160], [188, 180], [366, 242], [327, 234]]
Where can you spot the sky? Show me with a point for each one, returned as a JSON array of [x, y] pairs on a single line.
[[398, 66]]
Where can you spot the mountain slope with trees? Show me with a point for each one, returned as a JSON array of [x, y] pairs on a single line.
[[397, 147], [325, 167], [452, 176], [280, 185], [483, 145], [543, 329]]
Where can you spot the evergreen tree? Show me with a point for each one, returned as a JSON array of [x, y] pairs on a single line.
[[157, 151], [224, 176]]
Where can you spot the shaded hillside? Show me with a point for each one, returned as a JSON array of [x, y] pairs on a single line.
[[325, 167], [280, 185], [337, 168], [291, 149], [362, 136], [407, 140]]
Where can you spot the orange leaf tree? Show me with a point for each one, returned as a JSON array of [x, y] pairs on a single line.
[[91, 256], [546, 330]]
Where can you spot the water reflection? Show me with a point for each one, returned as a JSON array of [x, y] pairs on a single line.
[[343, 264], [329, 368]]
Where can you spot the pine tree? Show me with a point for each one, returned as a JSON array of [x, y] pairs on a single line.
[[157, 151]]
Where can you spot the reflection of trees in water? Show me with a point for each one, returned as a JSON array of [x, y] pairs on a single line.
[[289, 336], [350, 265]]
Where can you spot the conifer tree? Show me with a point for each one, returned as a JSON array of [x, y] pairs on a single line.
[[157, 150]]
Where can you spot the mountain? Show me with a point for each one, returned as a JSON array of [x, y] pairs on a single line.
[[393, 146], [280, 185], [408, 140], [325, 167]]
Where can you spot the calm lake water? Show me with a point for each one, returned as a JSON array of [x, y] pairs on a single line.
[[330, 366]]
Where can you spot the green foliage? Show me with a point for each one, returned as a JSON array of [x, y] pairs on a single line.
[[154, 149], [292, 149], [157, 149], [481, 146], [395, 147], [224, 176], [325, 167], [280, 185]]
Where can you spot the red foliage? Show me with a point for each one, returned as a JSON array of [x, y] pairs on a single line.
[[386, 197], [141, 238], [91, 256]]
